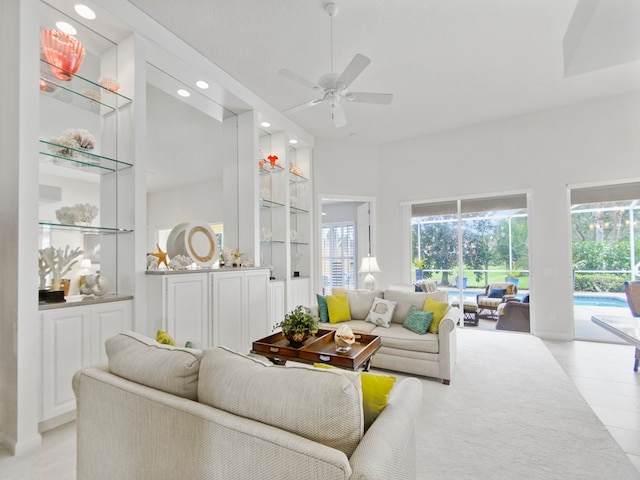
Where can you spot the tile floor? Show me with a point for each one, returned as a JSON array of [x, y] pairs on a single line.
[[602, 372]]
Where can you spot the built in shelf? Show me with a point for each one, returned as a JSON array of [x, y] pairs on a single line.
[[298, 210], [272, 242], [295, 178], [264, 203], [79, 159], [84, 228], [79, 91], [269, 169]]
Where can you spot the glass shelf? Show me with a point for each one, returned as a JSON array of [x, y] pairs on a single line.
[[272, 242], [269, 169], [298, 210], [81, 159], [84, 228], [295, 178], [264, 203], [299, 243], [79, 91]]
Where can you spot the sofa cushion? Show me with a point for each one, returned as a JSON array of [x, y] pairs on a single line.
[[400, 338], [439, 310], [358, 326], [360, 302], [381, 312], [404, 300], [163, 367], [338, 307], [321, 405], [418, 320]]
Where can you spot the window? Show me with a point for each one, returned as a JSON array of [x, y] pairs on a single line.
[[338, 256]]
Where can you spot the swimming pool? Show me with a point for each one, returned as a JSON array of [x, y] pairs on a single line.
[[596, 301], [578, 300]]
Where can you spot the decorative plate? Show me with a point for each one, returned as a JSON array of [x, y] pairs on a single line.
[[201, 244], [175, 241]]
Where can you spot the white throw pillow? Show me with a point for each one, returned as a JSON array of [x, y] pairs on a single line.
[[381, 312]]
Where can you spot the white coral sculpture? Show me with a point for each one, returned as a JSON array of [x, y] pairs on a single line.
[[72, 138], [59, 261], [80, 212], [180, 262]]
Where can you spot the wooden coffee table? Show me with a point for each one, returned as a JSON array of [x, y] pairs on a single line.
[[319, 349]]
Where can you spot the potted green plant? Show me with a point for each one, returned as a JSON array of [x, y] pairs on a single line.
[[297, 326]]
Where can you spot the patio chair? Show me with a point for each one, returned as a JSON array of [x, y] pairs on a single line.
[[632, 291], [514, 315], [495, 294]]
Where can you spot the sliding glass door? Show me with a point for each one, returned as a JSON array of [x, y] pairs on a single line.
[[467, 244]]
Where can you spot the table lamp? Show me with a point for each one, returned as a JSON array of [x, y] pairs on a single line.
[[369, 266]]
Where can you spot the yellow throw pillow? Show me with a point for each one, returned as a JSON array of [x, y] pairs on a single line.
[[439, 310], [375, 393], [338, 307], [164, 338]]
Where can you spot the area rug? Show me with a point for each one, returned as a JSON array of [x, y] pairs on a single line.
[[512, 413]]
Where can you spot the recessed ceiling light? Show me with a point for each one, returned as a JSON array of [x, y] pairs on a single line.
[[66, 28], [84, 11], [265, 124], [202, 84], [293, 141], [183, 93]]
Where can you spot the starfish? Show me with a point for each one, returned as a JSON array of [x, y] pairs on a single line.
[[161, 256], [237, 254]]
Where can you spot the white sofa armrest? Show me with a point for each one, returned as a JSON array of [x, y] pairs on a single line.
[[388, 449], [448, 343]]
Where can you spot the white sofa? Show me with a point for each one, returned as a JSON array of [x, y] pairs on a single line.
[[160, 412], [430, 355]]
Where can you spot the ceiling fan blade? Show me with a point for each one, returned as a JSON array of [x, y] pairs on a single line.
[[337, 114], [304, 105], [362, 97], [355, 68], [297, 78]]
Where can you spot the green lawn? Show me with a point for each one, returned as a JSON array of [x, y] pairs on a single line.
[[492, 277]]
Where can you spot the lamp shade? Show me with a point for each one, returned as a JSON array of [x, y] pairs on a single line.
[[369, 265]]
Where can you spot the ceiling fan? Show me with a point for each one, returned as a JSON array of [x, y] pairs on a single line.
[[333, 86]]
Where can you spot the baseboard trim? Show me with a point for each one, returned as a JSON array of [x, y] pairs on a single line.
[[20, 447], [57, 421]]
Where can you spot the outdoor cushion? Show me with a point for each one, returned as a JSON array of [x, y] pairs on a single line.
[[497, 292]]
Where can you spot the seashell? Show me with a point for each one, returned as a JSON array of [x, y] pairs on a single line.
[[344, 337]]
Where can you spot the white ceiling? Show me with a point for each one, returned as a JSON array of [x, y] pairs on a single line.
[[449, 63]]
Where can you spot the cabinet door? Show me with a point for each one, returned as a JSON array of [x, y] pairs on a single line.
[[257, 307], [226, 302], [107, 320], [65, 349], [276, 303], [186, 309], [300, 291]]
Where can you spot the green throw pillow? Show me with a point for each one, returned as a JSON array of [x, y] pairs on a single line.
[[323, 311], [439, 310], [338, 307], [375, 393], [418, 320]]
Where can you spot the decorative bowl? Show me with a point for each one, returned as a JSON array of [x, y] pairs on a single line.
[[63, 52]]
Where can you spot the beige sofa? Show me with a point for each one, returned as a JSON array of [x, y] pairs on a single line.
[[160, 412], [430, 355]]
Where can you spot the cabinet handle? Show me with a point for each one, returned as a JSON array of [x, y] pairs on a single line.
[[324, 358], [274, 349]]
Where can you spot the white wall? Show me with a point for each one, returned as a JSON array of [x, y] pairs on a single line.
[[201, 202], [539, 153]]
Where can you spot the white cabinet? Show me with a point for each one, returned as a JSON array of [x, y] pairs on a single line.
[[72, 338], [276, 302], [186, 309], [239, 307], [300, 291], [213, 307]]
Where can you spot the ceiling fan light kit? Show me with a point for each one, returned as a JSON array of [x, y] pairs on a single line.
[[333, 86]]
